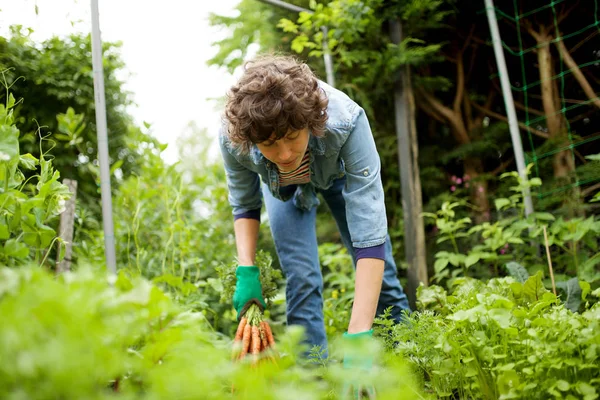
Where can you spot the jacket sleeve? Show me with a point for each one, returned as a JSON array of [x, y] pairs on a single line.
[[363, 192], [245, 196]]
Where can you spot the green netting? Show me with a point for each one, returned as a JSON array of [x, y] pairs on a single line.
[[524, 49]]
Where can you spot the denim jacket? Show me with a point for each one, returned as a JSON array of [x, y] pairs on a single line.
[[347, 148]]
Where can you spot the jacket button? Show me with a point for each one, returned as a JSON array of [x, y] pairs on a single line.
[[366, 173]]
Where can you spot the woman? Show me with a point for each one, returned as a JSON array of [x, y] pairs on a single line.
[[287, 137]]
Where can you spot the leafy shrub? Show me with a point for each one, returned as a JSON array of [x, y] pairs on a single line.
[[27, 207], [503, 339], [480, 250], [86, 335]]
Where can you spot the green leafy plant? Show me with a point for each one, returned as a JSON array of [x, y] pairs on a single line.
[[27, 206], [270, 278], [502, 339], [483, 248], [338, 287], [450, 230], [89, 335]]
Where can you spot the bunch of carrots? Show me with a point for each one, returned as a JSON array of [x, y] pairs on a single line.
[[254, 338]]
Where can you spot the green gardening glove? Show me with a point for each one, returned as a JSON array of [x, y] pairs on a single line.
[[357, 362], [248, 290]]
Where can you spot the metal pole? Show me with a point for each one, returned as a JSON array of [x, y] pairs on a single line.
[[287, 6], [508, 100], [107, 217], [326, 53], [327, 58]]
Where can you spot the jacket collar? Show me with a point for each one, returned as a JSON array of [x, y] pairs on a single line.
[[316, 145]]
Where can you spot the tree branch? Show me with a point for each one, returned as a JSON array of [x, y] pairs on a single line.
[[441, 109], [503, 118], [468, 114], [460, 83], [428, 111], [486, 106], [581, 79], [533, 111], [565, 13], [520, 106], [538, 36], [578, 45], [590, 190], [472, 61], [455, 120], [468, 39], [486, 43], [571, 101], [503, 166]]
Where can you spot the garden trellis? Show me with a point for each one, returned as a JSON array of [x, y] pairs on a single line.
[[566, 113]]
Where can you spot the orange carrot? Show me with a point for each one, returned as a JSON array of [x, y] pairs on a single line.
[[240, 329], [270, 338], [263, 335], [246, 340], [255, 341], [255, 346]]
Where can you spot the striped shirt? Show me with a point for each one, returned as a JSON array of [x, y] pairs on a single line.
[[299, 175]]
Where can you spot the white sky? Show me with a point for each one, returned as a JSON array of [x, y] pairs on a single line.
[[165, 48]]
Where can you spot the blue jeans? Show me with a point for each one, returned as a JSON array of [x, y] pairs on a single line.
[[294, 234]]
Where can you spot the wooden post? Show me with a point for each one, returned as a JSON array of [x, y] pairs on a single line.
[[67, 220], [412, 203]]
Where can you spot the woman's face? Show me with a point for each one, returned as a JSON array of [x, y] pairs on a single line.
[[287, 152]]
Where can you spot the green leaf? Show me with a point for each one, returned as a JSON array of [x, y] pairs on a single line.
[[9, 142], [544, 216], [440, 264], [586, 389], [36, 234], [4, 232], [118, 164], [517, 289], [123, 282], [28, 161], [533, 289], [593, 157], [502, 316], [517, 271], [501, 203], [299, 43], [456, 259], [535, 182], [585, 289], [588, 266], [573, 294], [62, 249], [471, 260], [14, 248], [287, 26], [562, 385]]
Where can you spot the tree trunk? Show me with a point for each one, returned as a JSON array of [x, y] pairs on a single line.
[[420, 258], [479, 189], [472, 166], [409, 176], [562, 162]]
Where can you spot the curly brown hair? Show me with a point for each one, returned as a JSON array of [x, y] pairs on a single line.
[[275, 95]]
